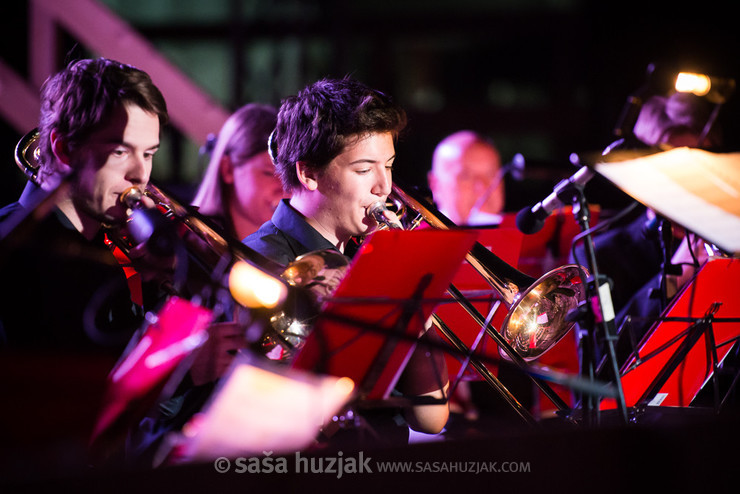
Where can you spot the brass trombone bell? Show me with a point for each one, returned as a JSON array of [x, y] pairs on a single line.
[[537, 308], [536, 321], [312, 268], [319, 272], [251, 274]]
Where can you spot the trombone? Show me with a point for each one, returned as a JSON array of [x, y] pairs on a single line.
[[537, 308], [203, 240]]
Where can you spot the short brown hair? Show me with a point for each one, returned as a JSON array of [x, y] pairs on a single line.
[[75, 101], [314, 125]]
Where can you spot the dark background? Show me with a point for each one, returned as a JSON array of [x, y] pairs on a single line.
[[542, 78]]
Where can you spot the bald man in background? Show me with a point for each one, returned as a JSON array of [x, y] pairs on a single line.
[[466, 179]]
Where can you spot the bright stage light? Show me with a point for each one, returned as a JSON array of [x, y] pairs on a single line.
[[254, 288], [688, 82]]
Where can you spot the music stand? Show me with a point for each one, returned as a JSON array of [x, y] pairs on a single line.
[[143, 371], [694, 188], [367, 330], [682, 350], [261, 407]]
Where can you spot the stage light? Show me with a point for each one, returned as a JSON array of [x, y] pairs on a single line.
[[254, 288], [715, 89], [689, 82]]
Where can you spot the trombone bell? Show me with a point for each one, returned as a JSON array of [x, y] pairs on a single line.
[[538, 318], [537, 309]]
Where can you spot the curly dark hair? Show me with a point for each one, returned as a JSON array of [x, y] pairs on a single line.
[[315, 125]]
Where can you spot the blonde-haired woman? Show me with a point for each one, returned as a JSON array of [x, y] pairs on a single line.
[[239, 189]]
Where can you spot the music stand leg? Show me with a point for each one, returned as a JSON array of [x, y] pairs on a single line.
[[696, 330], [501, 342]]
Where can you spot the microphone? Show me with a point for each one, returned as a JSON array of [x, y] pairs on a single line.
[[377, 210], [531, 220]]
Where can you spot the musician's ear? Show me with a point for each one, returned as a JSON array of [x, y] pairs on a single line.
[[307, 175], [59, 147]]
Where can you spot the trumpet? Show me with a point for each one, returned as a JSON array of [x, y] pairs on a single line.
[[537, 308]]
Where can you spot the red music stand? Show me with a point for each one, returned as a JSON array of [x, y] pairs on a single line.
[[697, 190], [682, 350], [506, 244], [141, 374], [366, 331]]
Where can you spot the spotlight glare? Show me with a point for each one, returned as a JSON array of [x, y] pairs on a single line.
[[688, 82], [253, 288]]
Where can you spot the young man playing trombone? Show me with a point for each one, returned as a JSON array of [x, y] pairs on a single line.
[[69, 310], [98, 133], [334, 150]]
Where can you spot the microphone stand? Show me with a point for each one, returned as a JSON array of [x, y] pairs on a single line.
[[597, 311]]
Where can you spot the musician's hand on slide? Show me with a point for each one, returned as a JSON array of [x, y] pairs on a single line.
[[216, 355]]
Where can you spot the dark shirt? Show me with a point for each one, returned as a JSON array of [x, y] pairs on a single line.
[[62, 291], [66, 316], [286, 236], [628, 254]]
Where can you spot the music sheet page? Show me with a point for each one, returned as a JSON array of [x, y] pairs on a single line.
[[696, 189]]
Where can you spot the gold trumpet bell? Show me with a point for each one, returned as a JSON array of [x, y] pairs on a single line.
[[536, 320]]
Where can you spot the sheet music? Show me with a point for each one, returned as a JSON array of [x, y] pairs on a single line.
[[696, 189], [262, 407]]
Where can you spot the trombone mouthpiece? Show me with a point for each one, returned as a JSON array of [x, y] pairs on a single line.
[[377, 212], [131, 197]]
